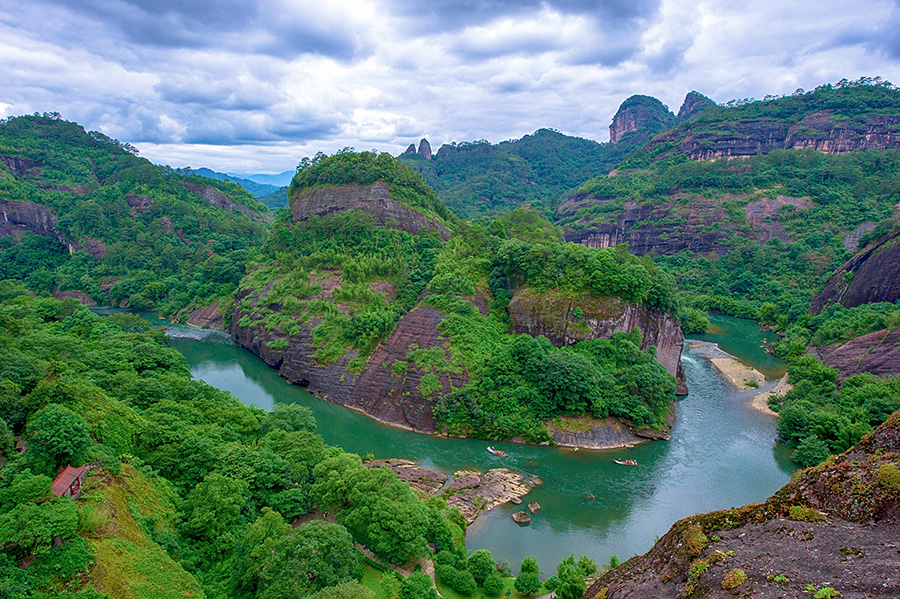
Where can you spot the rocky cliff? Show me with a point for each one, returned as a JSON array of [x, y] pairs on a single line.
[[821, 131], [877, 353], [374, 199], [834, 527], [683, 222], [380, 389], [640, 113], [552, 314], [219, 200], [872, 275], [19, 218], [694, 103]]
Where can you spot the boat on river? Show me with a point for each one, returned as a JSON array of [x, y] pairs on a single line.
[[626, 462], [498, 452]]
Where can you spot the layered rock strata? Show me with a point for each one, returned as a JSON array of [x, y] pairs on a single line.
[[374, 199]]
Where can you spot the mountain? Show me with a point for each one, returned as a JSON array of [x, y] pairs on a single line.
[[84, 216], [479, 178], [257, 190], [374, 295], [830, 532], [282, 179]]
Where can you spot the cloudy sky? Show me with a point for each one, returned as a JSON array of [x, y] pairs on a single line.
[[254, 85]]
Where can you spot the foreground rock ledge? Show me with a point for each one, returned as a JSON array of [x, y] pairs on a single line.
[[836, 525]]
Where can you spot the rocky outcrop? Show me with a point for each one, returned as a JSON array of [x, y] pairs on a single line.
[[551, 314], [872, 275], [694, 103], [471, 491], [210, 317], [411, 149], [377, 390], [20, 218], [818, 131], [590, 433], [138, 204], [20, 167], [833, 526], [374, 199], [683, 222], [217, 199], [640, 113], [425, 149], [877, 353], [81, 296]]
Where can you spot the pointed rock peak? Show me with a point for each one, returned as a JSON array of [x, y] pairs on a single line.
[[425, 149], [694, 104], [640, 112], [411, 149]]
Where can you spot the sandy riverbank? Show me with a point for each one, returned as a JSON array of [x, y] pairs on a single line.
[[739, 374], [760, 401]]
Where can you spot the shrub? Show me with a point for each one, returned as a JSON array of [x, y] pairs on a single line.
[[695, 540], [464, 583], [804, 514], [733, 579], [493, 585], [889, 478]]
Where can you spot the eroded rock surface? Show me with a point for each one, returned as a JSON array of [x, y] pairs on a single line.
[[374, 199], [217, 199], [877, 353], [835, 525]]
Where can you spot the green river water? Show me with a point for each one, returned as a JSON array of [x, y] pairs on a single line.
[[722, 454]]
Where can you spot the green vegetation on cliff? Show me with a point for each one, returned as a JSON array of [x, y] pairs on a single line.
[[137, 234]]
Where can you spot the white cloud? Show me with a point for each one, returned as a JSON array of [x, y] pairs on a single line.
[[244, 85]]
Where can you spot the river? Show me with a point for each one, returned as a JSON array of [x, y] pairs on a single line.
[[722, 454]]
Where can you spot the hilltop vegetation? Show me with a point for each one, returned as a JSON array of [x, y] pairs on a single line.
[[115, 226]]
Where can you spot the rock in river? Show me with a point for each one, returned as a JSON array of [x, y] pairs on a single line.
[[521, 518]]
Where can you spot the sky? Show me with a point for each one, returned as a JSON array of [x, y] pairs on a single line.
[[252, 86]]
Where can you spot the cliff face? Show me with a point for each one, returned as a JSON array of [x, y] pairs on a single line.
[[819, 131], [374, 199], [637, 113], [20, 218], [685, 222], [872, 275], [835, 525], [379, 391], [877, 353], [552, 315]]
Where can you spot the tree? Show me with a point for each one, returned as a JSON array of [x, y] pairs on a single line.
[[214, 507], [481, 565], [418, 586], [571, 580], [493, 584], [316, 556], [59, 436], [811, 451], [257, 543], [528, 582]]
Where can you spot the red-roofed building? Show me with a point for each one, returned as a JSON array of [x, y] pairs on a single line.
[[68, 483]]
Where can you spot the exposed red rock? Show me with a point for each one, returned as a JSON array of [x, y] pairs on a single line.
[[138, 204], [208, 317], [218, 199], [425, 149], [877, 353], [19, 218], [377, 390], [374, 199], [694, 103], [81, 296], [872, 275], [639, 112], [835, 525]]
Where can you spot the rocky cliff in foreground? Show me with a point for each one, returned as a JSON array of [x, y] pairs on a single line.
[[832, 531]]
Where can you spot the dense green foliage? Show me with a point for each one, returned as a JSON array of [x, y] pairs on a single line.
[[479, 178], [83, 388], [156, 243]]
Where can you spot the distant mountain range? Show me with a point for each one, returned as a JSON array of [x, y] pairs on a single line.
[[271, 190]]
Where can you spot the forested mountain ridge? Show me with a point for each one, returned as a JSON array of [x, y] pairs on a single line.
[[84, 215], [377, 297]]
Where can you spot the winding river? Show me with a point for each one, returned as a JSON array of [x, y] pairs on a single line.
[[722, 454]]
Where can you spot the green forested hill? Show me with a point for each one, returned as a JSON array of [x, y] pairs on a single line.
[[83, 212], [480, 178]]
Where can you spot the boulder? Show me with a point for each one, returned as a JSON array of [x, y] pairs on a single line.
[[521, 518]]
